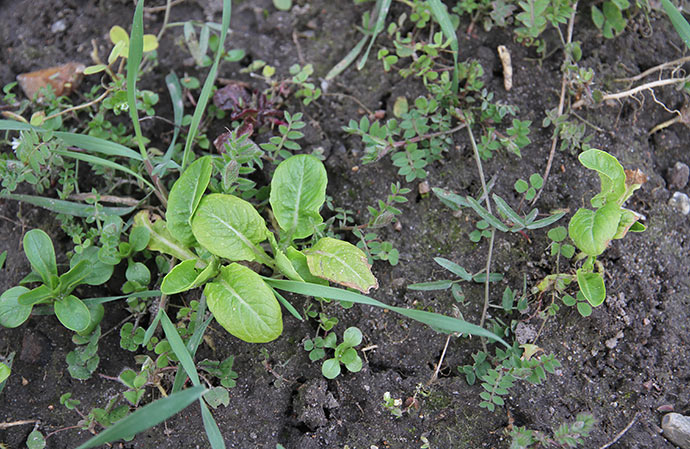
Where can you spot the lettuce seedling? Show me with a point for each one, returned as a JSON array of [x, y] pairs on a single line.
[[17, 303], [593, 230], [210, 233]]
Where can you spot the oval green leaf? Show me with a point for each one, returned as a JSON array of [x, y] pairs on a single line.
[[610, 172], [180, 278], [592, 287], [39, 250], [229, 227], [160, 238], [100, 272], [184, 198], [185, 277], [298, 190], [244, 305], [96, 311], [330, 368], [593, 230], [342, 263], [72, 313], [12, 313], [4, 372]]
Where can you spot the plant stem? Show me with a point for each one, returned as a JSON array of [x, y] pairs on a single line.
[[633, 91], [655, 69], [493, 230], [81, 106], [561, 107]]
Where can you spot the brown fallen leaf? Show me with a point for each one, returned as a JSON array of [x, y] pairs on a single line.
[[63, 79]]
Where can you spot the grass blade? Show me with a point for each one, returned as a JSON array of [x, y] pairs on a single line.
[[208, 85], [486, 215], [152, 328], [545, 221], [179, 348], [211, 427], [88, 143], [434, 320], [146, 417], [453, 268], [192, 345], [508, 211], [175, 90], [381, 11], [347, 60], [136, 51], [290, 308], [441, 15], [431, 286], [66, 207], [104, 299], [679, 23], [95, 160]]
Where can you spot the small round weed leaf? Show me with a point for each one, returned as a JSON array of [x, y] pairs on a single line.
[[568, 300], [12, 313], [355, 365], [139, 273], [584, 309], [330, 369], [557, 234], [352, 336], [567, 251], [150, 43], [72, 313], [118, 34], [531, 192], [36, 440], [536, 180], [139, 238], [348, 356], [521, 186], [400, 107]]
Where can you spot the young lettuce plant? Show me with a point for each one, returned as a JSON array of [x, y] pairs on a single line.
[[17, 303], [206, 231], [592, 230]]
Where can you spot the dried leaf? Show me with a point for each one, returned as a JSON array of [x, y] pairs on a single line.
[[63, 79]]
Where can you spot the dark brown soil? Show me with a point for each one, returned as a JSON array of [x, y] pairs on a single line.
[[622, 363]]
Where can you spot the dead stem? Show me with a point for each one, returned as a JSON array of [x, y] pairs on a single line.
[[7, 425], [621, 433], [561, 106], [635, 90], [654, 69], [440, 362], [493, 231]]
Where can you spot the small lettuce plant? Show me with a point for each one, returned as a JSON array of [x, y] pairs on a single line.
[[210, 234], [593, 229]]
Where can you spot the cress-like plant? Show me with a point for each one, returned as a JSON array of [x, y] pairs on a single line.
[[210, 233], [593, 230], [17, 303]]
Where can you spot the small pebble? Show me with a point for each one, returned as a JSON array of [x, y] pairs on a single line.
[[59, 26], [678, 176], [677, 429], [681, 202]]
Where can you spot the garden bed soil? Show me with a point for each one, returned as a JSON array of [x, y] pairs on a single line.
[[621, 364]]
